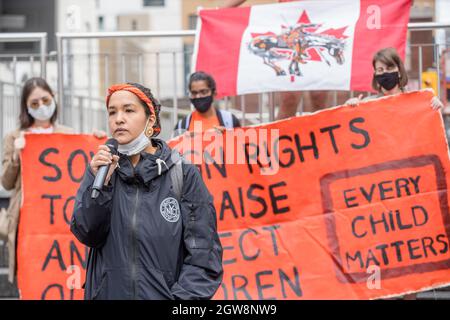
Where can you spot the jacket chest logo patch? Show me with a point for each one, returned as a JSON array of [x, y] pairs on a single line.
[[170, 209]]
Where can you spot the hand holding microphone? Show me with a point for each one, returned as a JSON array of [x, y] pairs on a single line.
[[103, 165]]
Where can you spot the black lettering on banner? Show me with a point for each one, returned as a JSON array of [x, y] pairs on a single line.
[[294, 285], [400, 224], [412, 249], [347, 199], [385, 254], [261, 287], [75, 252], [371, 259], [66, 205], [402, 183], [268, 159], [224, 248], [241, 245], [43, 160], [55, 253], [238, 284], [356, 257], [222, 169], [425, 215], [255, 157], [272, 229], [257, 198], [383, 190], [240, 288], [368, 195], [445, 243], [354, 221], [52, 205], [391, 221], [59, 288], [332, 137], [241, 202], [274, 199], [227, 204], [427, 244], [359, 131], [251, 158], [415, 183], [254, 193], [72, 157], [398, 251], [312, 146], [284, 151], [374, 222], [382, 248]]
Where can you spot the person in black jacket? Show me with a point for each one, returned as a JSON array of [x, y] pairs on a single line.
[[150, 235]]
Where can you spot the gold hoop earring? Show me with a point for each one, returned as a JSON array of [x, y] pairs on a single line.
[[150, 132]]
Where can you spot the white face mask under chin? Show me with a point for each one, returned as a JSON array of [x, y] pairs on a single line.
[[43, 112], [135, 146]]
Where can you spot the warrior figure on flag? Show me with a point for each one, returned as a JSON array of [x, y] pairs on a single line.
[[292, 44]]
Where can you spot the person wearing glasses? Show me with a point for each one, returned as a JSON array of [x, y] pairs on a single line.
[[202, 90], [38, 114]]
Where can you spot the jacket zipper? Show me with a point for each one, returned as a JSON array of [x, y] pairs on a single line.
[[134, 232], [134, 245]]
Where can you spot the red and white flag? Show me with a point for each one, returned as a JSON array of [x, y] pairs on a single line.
[[300, 45]]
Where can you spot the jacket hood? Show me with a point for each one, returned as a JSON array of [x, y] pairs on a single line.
[[149, 167]]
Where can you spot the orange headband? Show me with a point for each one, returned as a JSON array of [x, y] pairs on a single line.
[[138, 93], [132, 89]]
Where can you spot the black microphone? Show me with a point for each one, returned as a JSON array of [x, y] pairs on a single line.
[[99, 181]]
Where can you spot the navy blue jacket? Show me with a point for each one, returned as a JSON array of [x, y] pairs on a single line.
[[145, 243]]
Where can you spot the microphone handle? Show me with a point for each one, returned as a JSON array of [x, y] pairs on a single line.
[[99, 181]]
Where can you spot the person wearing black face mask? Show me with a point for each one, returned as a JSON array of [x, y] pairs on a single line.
[[389, 78], [202, 89], [202, 104]]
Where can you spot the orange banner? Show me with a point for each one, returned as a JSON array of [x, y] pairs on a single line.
[[51, 262], [347, 203]]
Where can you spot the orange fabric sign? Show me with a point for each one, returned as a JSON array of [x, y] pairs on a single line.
[[51, 261], [345, 190], [347, 203]]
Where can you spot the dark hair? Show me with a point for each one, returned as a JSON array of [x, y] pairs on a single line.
[[156, 105], [390, 57], [25, 119], [203, 76]]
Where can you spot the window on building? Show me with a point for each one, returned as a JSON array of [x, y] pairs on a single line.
[[153, 3], [192, 21], [101, 23], [134, 25]]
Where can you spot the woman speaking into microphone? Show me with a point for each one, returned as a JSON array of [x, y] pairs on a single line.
[[152, 228]]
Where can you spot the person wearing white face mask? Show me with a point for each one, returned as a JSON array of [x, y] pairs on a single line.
[[38, 114], [152, 228]]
